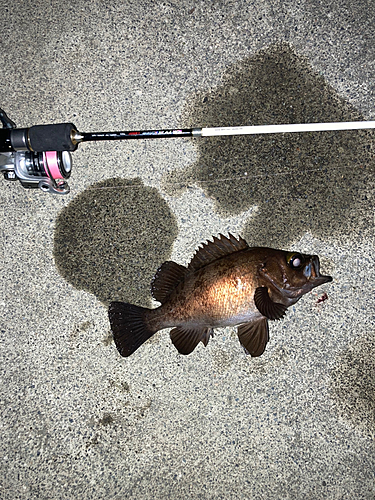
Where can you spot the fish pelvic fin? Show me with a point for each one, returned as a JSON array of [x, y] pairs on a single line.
[[266, 306], [254, 336], [129, 326], [186, 339]]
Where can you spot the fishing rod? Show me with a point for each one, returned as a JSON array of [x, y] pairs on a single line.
[[40, 156]]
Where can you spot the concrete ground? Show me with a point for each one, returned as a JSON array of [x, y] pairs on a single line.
[[79, 421]]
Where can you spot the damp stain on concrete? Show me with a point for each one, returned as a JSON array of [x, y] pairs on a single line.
[[107, 419], [111, 239], [300, 182], [352, 384]]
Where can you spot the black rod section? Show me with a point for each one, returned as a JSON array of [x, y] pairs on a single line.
[[142, 134]]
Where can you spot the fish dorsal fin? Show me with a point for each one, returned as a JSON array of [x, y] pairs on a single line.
[[167, 277], [213, 250]]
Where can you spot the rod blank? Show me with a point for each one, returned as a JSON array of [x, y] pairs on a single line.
[[222, 131], [279, 129]]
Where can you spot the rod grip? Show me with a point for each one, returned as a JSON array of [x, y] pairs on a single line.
[[57, 137]]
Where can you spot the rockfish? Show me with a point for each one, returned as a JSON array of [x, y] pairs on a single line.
[[227, 283]]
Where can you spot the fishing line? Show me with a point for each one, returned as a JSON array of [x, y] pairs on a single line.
[[197, 183]]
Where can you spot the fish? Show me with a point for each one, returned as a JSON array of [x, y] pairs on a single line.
[[227, 283]]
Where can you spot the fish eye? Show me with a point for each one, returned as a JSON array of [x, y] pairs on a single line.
[[295, 260]]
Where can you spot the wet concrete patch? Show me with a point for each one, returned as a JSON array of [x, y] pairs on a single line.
[[111, 239], [301, 182], [352, 384]]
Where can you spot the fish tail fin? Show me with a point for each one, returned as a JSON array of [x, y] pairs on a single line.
[[129, 326]]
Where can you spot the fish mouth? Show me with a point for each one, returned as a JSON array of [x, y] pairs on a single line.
[[312, 272]]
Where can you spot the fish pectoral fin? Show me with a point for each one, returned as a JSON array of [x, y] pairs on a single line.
[[186, 339], [254, 336], [266, 306]]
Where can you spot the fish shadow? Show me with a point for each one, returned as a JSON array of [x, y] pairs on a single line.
[[352, 384], [111, 238], [301, 182]]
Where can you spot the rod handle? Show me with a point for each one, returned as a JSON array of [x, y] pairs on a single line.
[[57, 137]]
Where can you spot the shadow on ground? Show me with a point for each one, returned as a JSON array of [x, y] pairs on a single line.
[[352, 385], [301, 182], [111, 239]]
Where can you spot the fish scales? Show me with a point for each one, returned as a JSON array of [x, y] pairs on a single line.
[[217, 295]]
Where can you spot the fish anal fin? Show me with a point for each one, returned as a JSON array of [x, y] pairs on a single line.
[[186, 339], [167, 277], [212, 250], [208, 333], [266, 306], [254, 336]]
